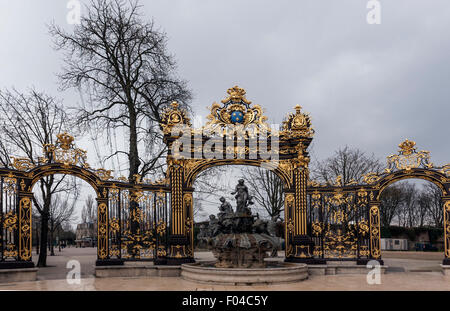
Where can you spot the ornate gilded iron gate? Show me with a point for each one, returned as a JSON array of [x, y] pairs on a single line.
[[9, 219], [344, 219], [138, 232], [338, 224], [140, 220], [132, 218]]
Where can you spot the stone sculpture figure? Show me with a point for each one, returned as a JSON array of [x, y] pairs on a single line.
[[259, 225], [243, 200], [202, 232], [272, 229], [213, 226], [224, 208], [225, 216], [202, 237]]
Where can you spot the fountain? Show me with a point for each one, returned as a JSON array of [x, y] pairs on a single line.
[[240, 242]]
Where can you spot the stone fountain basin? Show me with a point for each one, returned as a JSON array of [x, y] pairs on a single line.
[[206, 273]]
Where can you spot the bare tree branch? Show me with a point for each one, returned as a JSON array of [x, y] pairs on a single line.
[[121, 60]]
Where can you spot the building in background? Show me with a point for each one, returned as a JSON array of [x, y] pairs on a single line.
[[86, 235]]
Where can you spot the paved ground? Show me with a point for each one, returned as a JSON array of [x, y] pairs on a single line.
[[414, 255], [400, 261], [57, 264], [408, 271], [392, 282]]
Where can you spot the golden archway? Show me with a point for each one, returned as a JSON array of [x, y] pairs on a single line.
[[408, 163], [237, 134], [64, 158]]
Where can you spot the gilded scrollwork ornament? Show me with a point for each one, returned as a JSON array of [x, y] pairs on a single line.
[[22, 164], [371, 178], [161, 227], [317, 228], [10, 221], [408, 158], [10, 184], [104, 174], [340, 244], [25, 229], [236, 110], [64, 152], [374, 217], [363, 227]]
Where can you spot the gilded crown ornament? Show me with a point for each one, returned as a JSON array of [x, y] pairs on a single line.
[[407, 147], [65, 141], [236, 109], [236, 95]]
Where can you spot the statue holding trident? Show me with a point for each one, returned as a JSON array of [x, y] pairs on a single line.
[[243, 200]]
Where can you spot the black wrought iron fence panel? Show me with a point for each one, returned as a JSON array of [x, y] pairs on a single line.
[[338, 224], [138, 224], [9, 219]]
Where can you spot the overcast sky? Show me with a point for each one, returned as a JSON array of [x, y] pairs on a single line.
[[366, 86]]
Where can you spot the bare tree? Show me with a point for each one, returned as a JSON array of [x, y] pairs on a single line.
[[28, 122], [267, 189], [61, 212], [410, 207], [89, 212], [209, 187], [350, 164], [199, 211], [391, 201], [431, 199], [408, 211], [121, 62], [420, 209]]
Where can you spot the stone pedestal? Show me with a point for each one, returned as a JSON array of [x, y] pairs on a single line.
[[109, 262], [344, 267], [446, 270], [137, 269], [18, 275], [179, 253], [288, 273]]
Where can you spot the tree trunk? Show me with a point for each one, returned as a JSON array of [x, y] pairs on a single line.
[[45, 216], [52, 248], [42, 261], [37, 241], [133, 156], [134, 161]]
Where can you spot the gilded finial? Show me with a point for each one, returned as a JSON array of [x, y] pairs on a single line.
[[173, 115], [236, 95], [407, 147], [65, 140]]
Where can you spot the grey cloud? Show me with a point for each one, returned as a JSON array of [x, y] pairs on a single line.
[[367, 86]]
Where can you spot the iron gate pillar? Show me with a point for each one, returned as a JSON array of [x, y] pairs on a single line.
[[103, 254], [181, 248], [446, 205], [374, 231], [299, 245]]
